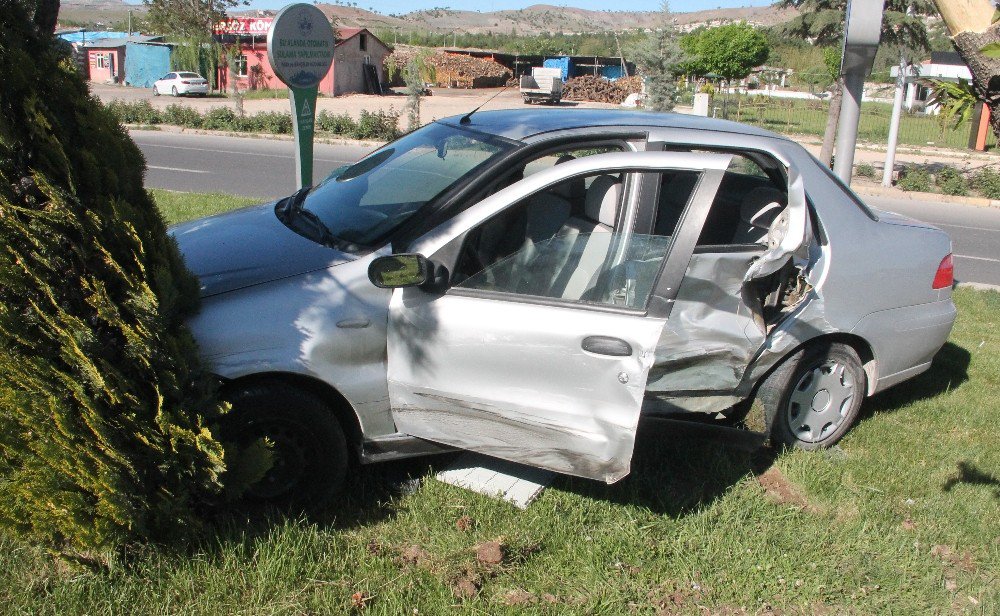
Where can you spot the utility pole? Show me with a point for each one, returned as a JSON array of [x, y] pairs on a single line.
[[897, 110]]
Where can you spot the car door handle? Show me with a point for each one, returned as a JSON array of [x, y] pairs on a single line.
[[607, 345]]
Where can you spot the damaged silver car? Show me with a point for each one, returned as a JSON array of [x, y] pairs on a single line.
[[527, 284]]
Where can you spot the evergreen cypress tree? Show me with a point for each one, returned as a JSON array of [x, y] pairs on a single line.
[[104, 407]]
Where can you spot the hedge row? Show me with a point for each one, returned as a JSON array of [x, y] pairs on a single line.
[[373, 125]]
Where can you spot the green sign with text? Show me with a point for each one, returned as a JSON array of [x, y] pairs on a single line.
[[300, 48]]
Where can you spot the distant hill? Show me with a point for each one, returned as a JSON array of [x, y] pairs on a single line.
[[535, 19], [544, 18]]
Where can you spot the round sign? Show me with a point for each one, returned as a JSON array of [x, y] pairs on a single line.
[[300, 45]]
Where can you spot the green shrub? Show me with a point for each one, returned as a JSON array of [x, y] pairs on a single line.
[[181, 115], [377, 125], [219, 118], [951, 181], [134, 112], [338, 124], [270, 122], [987, 182], [865, 170], [914, 178], [104, 406]]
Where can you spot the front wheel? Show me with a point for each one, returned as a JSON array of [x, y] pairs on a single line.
[[813, 398], [308, 446], [155, 91]]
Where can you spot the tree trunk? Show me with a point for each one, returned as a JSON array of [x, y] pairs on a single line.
[[832, 119], [985, 71]]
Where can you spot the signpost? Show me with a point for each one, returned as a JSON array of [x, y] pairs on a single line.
[[300, 48], [861, 37]]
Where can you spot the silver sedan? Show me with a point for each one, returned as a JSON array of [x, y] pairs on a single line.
[[527, 284]]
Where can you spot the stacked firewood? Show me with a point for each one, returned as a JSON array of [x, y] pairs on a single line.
[[451, 70], [600, 90]]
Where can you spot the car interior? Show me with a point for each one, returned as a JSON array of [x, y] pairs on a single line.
[[564, 242]]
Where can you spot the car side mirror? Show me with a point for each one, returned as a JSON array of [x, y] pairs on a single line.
[[402, 270]]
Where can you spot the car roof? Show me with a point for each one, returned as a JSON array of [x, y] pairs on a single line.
[[519, 124]]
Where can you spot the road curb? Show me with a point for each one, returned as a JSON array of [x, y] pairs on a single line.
[[881, 191], [170, 128]]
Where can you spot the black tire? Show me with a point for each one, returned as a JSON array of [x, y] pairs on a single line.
[[310, 451], [155, 91], [173, 91], [829, 376]]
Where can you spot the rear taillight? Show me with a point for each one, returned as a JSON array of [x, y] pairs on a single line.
[[945, 276]]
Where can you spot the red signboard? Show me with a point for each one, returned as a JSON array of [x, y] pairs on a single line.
[[244, 25]]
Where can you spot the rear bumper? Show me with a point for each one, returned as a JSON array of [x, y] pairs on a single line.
[[905, 340]]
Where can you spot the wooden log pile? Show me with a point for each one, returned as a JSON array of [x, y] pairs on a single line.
[[600, 90], [451, 70]]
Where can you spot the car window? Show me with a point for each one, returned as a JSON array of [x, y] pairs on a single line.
[[367, 200], [555, 158], [168, 76], [189, 75], [565, 243]]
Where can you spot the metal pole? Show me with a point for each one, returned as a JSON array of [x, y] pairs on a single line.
[[847, 130], [897, 110]]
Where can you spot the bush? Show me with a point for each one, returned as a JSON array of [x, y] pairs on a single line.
[[987, 182], [377, 125], [915, 179], [269, 122], [104, 407], [219, 118], [136, 112], [865, 170], [338, 124], [181, 115], [951, 182]]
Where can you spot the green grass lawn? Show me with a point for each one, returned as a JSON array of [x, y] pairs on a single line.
[[902, 518], [181, 206]]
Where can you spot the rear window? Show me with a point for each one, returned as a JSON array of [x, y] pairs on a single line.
[[190, 75], [847, 189]]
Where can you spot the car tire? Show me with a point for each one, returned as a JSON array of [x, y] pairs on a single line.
[[155, 91], [309, 447], [173, 91], [813, 397]]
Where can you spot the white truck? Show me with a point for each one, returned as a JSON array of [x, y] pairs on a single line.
[[543, 85]]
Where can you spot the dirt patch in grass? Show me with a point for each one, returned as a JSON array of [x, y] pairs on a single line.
[[415, 556], [465, 523], [491, 553], [782, 491]]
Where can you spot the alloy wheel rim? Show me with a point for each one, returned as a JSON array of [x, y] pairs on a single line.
[[820, 401]]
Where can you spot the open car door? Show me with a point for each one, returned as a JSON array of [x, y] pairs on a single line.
[[534, 341]]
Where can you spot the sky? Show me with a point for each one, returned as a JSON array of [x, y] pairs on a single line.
[[405, 6]]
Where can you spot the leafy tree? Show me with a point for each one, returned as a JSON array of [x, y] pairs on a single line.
[[104, 406], [730, 51], [188, 18], [660, 61], [822, 21]]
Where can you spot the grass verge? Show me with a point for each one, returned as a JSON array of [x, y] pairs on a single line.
[[180, 206], [901, 518]]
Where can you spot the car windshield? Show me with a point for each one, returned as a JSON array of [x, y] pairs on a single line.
[[362, 203]]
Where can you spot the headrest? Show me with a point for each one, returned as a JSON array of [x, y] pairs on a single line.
[[603, 198], [761, 206]]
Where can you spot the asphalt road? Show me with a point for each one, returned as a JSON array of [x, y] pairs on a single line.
[[265, 168]]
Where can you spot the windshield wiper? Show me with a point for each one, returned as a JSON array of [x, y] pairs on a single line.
[[291, 210]]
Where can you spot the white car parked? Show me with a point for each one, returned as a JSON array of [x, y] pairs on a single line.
[[181, 83]]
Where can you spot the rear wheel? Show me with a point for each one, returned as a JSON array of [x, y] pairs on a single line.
[[308, 445], [173, 91], [811, 400]]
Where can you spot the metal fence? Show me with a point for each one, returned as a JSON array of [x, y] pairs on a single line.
[[808, 117]]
